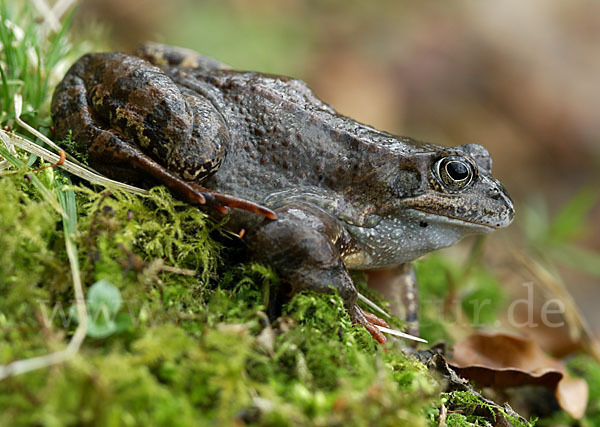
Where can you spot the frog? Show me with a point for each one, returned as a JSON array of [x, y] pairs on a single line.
[[315, 194]]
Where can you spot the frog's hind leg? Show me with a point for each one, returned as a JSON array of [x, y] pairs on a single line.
[[109, 154], [399, 286], [106, 142], [303, 246], [162, 54]]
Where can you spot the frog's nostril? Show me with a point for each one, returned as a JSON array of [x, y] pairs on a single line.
[[495, 194]]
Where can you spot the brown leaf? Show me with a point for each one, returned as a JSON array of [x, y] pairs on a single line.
[[502, 360]]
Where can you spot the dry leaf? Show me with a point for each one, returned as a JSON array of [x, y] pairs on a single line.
[[502, 360]]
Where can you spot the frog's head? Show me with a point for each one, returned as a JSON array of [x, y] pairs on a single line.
[[440, 196], [456, 188]]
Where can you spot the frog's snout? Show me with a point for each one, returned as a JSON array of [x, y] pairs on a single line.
[[505, 205]]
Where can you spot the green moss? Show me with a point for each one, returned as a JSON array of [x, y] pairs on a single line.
[[197, 349], [465, 409], [27, 235]]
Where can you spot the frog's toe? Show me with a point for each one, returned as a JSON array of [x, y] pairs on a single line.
[[370, 322], [374, 319], [224, 202], [232, 202]]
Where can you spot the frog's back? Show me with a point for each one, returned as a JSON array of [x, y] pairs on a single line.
[[284, 139]]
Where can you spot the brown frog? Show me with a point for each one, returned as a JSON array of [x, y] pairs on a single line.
[[318, 193]]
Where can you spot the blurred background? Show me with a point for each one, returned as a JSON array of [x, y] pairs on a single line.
[[520, 78]]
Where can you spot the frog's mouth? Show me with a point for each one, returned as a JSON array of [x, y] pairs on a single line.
[[480, 214], [426, 216]]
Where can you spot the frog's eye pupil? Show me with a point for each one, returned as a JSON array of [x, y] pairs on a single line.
[[457, 170], [454, 172]]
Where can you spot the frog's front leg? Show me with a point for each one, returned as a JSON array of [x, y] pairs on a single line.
[[304, 246]]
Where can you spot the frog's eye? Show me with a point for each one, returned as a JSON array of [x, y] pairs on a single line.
[[454, 172]]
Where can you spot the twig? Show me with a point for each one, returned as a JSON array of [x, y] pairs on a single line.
[[177, 270], [69, 166], [394, 332], [443, 415], [372, 305], [399, 334]]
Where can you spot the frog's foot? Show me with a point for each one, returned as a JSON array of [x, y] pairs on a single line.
[[370, 322], [223, 202]]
